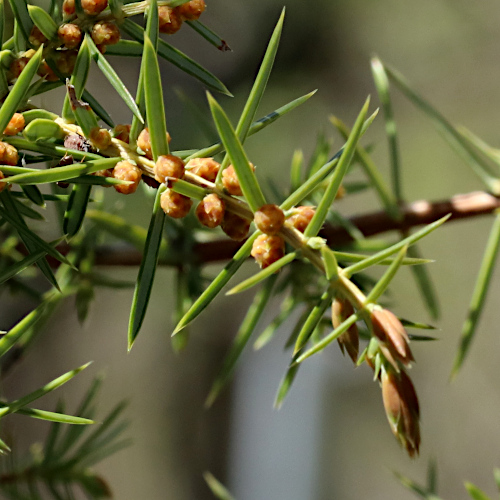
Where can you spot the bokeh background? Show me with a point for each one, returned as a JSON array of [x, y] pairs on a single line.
[[331, 439]]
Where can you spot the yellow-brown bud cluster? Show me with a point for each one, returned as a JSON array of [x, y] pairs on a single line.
[[17, 65], [126, 171], [235, 227], [230, 181], [15, 125], [105, 33], [171, 19], [70, 35], [144, 143], [36, 37], [174, 204], [100, 137], [269, 219], [206, 168], [300, 218], [268, 249], [122, 132], [168, 166], [8, 154], [93, 7], [210, 211]]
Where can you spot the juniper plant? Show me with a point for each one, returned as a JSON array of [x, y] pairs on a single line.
[[308, 253]]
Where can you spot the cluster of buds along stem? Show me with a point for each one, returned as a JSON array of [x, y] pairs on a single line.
[[171, 19], [60, 53], [388, 355], [8, 153]]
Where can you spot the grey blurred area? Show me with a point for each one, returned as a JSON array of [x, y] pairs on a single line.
[[330, 441]]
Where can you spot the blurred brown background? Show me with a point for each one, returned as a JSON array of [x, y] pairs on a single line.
[[331, 439]]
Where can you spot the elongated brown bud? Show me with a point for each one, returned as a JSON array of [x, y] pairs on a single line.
[[388, 329], [402, 409], [349, 340]]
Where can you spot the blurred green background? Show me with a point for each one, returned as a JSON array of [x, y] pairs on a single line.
[[331, 439]]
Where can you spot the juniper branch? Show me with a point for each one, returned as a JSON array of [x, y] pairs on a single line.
[[462, 206]]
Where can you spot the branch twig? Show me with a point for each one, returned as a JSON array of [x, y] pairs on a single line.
[[463, 206]]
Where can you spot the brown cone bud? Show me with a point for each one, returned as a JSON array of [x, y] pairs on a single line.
[[170, 21], [15, 125], [122, 133], [36, 37], [388, 329], [70, 35], [192, 10], [126, 171], [69, 7], [206, 168], [175, 205], [168, 166], [235, 227], [105, 33], [210, 211], [349, 340], [94, 7], [100, 137], [269, 219], [144, 143], [230, 181], [402, 409], [301, 217], [266, 250], [8, 154]]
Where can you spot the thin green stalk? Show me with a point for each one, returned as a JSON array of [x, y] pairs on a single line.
[[478, 296]]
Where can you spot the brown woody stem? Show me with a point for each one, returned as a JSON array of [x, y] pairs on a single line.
[[463, 206]]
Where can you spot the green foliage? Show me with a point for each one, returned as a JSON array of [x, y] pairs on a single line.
[[304, 269]]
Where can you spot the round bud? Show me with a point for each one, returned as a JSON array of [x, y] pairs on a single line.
[[122, 133], [269, 219], [105, 33], [100, 137], [15, 125], [210, 211], [36, 37], [191, 10], [268, 249], [126, 171], [144, 143], [70, 35], [301, 218], [8, 154], [17, 65], [235, 227], [230, 181], [174, 204], [94, 7], [206, 168], [168, 166], [66, 60], [69, 7], [45, 71], [169, 20]]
